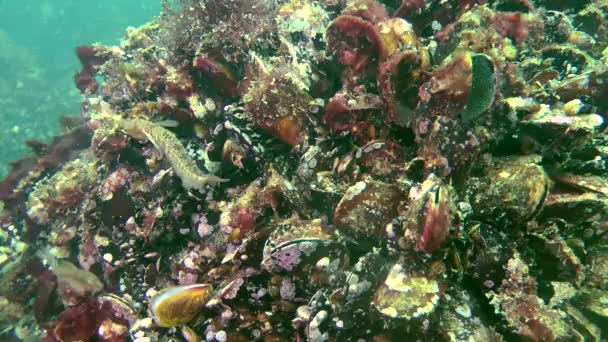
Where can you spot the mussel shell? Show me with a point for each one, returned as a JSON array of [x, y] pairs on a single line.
[[429, 218], [514, 187], [180, 304], [367, 207], [122, 306], [457, 318], [573, 208], [299, 245], [364, 276], [406, 294]]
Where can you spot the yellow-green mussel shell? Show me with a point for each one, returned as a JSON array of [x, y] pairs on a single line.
[[179, 305]]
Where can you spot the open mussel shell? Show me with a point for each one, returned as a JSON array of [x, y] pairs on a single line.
[[307, 246], [558, 260], [579, 200], [429, 217], [465, 84], [179, 305], [587, 183], [575, 207], [483, 88], [594, 303], [583, 325], [546, 123]]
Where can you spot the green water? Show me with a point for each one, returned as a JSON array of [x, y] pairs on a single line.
[[37, 61]]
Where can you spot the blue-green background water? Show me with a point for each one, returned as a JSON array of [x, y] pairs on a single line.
[[37, 61]]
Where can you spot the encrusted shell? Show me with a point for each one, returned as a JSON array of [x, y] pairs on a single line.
[[396, 34], [429, 218], [516, 187], [367, 207], [597, 270], [296, 244], [123, 306], [179, 305], [406, 294]]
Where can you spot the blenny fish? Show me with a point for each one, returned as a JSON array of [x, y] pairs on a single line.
[[169, 146]]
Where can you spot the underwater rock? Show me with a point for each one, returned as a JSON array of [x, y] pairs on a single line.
[[390, 170], [63, 191]]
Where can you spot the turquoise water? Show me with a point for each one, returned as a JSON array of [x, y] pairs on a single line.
[[37, 61]]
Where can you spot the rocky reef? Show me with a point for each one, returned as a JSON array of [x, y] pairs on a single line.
[[336, 170]]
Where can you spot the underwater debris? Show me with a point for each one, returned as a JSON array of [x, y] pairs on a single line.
[[398, 170]]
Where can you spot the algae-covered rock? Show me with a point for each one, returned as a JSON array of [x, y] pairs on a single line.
[[63, 191]]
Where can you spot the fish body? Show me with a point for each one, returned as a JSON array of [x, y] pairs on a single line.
[[171, 148]]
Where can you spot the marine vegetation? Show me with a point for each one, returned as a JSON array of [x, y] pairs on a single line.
[[336, 170]]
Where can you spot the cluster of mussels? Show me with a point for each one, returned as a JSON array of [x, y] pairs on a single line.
[[342, 170]]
